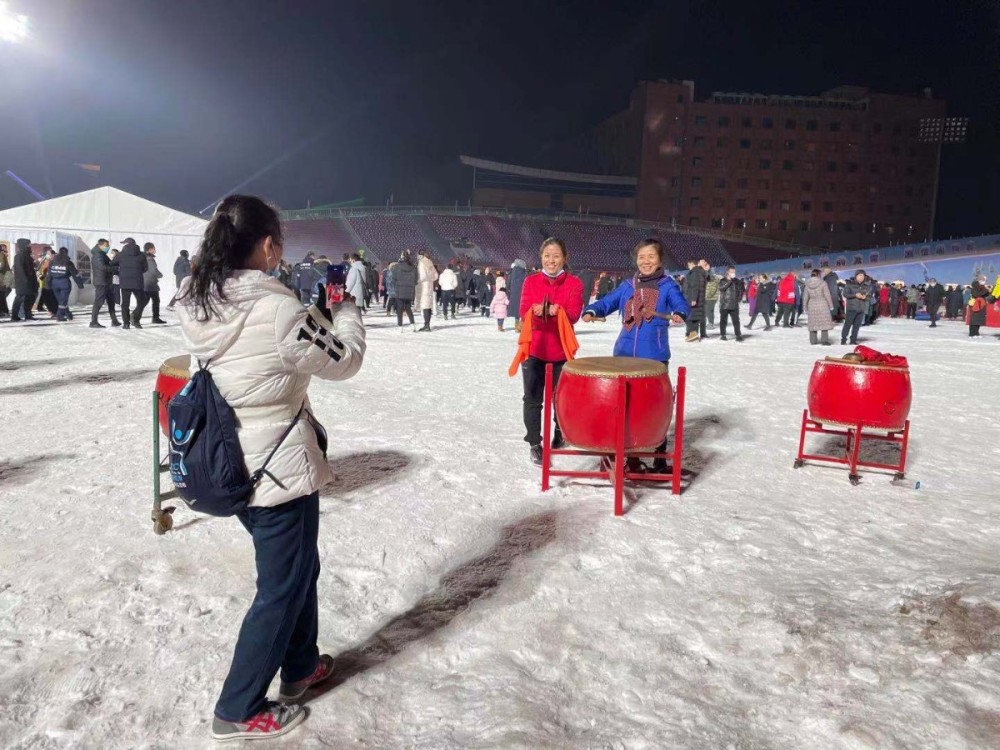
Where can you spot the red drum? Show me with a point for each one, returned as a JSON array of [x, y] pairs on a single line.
[[847, 392], [173, 376], [587, 400]]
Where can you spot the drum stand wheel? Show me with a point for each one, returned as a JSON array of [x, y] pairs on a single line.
[[854, 434], [613, 467]]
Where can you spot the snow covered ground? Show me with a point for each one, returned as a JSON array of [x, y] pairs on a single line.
[[764, 608]]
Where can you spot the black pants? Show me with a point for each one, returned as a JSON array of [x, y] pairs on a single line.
[[933, 312], [733, 315], [911, 309], [280, 629], [448, 300], [404, 305], [47, 301], [140, 303], [767, 318], [533, 374], [154, 298], [973, 330], [4, 310], [784, 314], [852, 324], [427, 317], [22, 305]]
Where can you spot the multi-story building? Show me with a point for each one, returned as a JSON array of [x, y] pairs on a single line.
[[849, 168]]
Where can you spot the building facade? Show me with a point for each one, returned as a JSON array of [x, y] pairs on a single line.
[[847, 169]]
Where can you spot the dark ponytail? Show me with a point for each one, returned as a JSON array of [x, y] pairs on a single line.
[[240, 222]]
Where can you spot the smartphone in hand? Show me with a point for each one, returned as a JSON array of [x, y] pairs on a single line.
[[336, 283]]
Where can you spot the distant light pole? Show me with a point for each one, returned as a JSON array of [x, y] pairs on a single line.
[[941, 130], [13, 26]]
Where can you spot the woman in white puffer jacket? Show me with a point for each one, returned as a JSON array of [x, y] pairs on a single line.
[[426, 276], [264, 348]]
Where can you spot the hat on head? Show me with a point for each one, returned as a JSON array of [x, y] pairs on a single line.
[[128, 241]]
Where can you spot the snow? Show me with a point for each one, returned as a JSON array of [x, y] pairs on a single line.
[[765, 607]]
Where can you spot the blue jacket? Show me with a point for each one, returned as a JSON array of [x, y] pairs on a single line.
[[648, 340]]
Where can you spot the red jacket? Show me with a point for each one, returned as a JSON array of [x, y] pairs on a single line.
[[566, 291], [786, 289]]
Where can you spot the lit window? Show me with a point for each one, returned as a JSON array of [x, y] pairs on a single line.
[[827, 226], [717, 223], [741, 223], [761, 223]]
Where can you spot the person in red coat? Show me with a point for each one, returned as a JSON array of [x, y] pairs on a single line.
[[543, 295], [786, 300]]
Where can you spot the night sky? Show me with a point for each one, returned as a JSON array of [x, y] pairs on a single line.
[[182, 101]]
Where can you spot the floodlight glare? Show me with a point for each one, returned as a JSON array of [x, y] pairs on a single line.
[[13, 26]]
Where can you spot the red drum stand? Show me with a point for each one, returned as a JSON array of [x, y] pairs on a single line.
[[851, 458], [612, 467]]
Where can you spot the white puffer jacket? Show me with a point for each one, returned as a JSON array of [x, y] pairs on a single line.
[[426, 276], [448, 280], [271, 346]]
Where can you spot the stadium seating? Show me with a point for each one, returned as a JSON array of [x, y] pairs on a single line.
[[327, 237], [386, 236], [502, 240]]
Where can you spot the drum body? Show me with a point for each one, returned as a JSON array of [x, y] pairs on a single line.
[[587, 402], [851, 393], [173, 376]]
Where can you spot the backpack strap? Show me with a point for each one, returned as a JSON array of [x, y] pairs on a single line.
[[262, 471]]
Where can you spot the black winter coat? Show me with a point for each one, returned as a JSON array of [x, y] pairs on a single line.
[[404, 276], [853, 288], [182, 269], [934, 295], [515, 283], [694, 292], [765, 296], [25, 280], [730, 292], [979, 291], [587, 278], [102, 270], [132, 266]]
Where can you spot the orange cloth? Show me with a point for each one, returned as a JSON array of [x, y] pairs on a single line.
[[567, 338]]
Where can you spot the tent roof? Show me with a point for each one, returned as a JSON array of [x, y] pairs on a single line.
[[103, 210]]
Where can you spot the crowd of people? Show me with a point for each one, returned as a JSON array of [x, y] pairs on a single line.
[[127, 278]]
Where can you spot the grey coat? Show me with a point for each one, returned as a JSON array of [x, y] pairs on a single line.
[[151, 276], [818, 304]]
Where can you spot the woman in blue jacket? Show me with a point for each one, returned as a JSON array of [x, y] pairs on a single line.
[[647, 303]]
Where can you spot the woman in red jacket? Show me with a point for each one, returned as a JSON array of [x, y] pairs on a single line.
[[543, 295]]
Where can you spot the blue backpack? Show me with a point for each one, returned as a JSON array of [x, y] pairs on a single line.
[[206, 459]]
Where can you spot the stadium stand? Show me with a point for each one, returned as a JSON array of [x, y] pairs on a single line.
[[321, 236], [386, 236], [499, 240]]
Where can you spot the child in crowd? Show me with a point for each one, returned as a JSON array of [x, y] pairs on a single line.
[[498, 307]]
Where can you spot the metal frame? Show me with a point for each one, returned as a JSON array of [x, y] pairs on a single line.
[[162, 518], [855, 434], [613, 465]]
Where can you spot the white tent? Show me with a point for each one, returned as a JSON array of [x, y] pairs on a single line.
[[112, 214]]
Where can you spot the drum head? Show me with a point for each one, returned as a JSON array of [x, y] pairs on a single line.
[[177, 367], [613, 367]]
